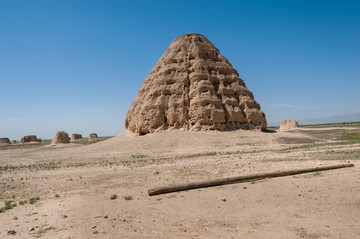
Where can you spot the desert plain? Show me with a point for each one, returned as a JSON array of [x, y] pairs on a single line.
[[99, 189]]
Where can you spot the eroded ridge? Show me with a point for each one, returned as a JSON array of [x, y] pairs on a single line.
[[193, 87]]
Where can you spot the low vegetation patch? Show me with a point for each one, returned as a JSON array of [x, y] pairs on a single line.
[[139, 156], [309, 146], [8, 205], [11, 204], [33, 200], [31, 214], [92, 141], [352, 136], [40, 166], [127, 198], [43, 230], [25, 146]]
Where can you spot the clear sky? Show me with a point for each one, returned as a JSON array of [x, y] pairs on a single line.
[[77, 65]]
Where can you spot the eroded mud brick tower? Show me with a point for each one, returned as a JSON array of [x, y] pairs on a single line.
[[193, 87]]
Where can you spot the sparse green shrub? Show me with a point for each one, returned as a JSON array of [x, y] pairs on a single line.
[[139, 156], [33, 200], [127, 198], [31, 214], [42, 231], [8, 205]]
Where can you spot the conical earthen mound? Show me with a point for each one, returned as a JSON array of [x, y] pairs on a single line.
[[193, 87]]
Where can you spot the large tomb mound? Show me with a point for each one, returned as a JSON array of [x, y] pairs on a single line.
[[29, 139], [4, 141], [288, 124], [193, 87], [61, 137]]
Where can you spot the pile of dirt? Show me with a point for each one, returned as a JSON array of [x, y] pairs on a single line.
[[193, 87]]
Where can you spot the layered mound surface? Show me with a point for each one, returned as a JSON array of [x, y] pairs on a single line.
[[193, 87]]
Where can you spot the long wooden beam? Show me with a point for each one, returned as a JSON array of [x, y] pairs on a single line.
[[239, 179]]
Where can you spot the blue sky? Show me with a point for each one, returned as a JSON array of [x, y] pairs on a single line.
[[78, 65]]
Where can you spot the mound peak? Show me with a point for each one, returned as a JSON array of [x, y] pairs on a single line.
[[193, 87]]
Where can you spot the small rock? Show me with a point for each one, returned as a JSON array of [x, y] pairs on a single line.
[[106, 216], [15, 218], [244, 187], [93, 227], [95, 232], [32, 229], [64, 216], [224, 199], [11, 232]]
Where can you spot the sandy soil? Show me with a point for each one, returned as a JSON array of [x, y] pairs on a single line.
[[313, 205]]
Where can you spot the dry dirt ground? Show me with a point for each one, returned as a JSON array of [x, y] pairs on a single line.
[[75, 183]]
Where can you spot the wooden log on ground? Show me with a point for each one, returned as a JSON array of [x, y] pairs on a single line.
[[239, 179]]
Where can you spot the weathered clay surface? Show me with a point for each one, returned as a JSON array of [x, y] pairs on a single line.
[[193, 87], [92, 136], [76, 136], [4, 141], [28, 139], [61, 137], [288, 124]]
